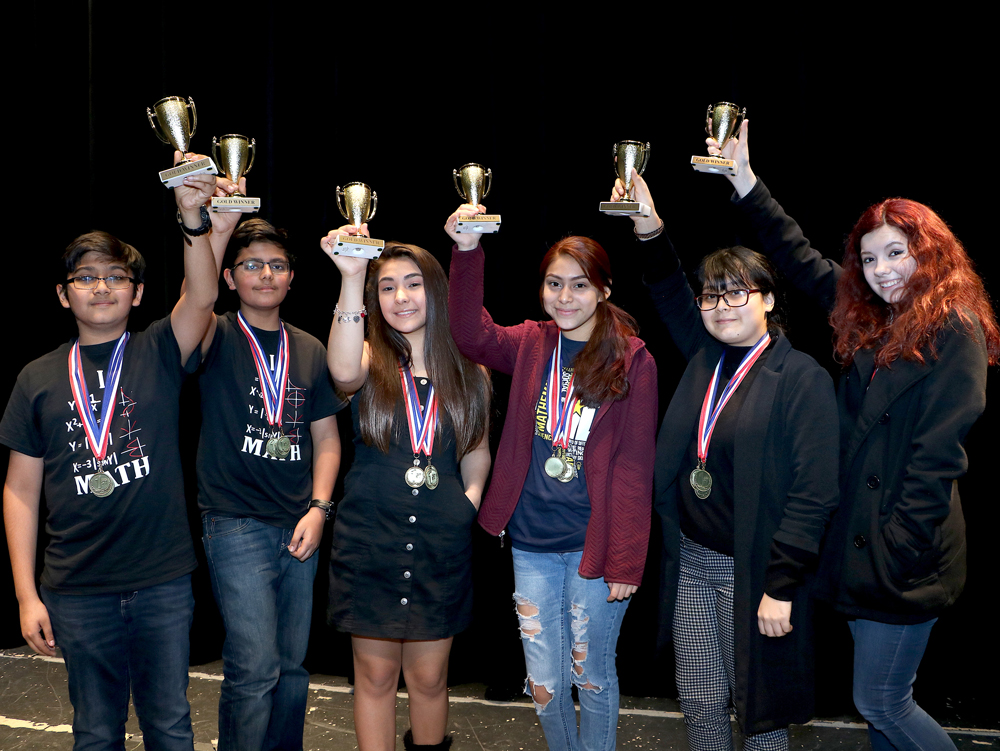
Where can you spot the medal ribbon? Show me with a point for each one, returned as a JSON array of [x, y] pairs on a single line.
[[272, 388], [97, 436], [560, 418], [421, 422], [709, 416]]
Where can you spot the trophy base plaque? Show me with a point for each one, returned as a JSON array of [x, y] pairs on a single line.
[[482, 224], [233, 205], [173, 177], [625, 208], [715, 164], [359, 247]]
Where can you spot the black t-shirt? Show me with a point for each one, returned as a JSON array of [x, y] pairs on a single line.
[[138, 536], [236, 476], [552, 516], [709, 521]]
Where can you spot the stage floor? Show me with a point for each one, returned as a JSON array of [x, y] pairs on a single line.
[[35, 714]]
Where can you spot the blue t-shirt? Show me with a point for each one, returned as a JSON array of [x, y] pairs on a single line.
[[552, 516]]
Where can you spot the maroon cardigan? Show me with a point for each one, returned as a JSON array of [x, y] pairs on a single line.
[[619, 453]]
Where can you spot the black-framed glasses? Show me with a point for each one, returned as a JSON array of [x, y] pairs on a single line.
[[254, 266], [91, 282], [734, 298]]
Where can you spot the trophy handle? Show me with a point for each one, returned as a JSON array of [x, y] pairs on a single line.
[[489, 182], [194, 117], [645, 158], [155, 125], [454, 177], [339, 194], [708, 119], [374, 205], [740, 117], [215, 150], [253, 153]]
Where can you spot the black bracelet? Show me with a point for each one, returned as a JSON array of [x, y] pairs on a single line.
[[327, 506], [206, 225]]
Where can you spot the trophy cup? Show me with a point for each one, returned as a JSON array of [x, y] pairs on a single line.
[[721, 121], [235, 153], [169, 120], [628, 154], [472, 177], [358, 207]]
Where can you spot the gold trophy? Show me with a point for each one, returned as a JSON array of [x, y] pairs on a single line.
[[358, 207], [235, 153], [721, 121], [473, 177], [169, 120], [628, 154]]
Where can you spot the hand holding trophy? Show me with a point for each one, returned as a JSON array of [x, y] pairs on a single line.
[[722, 120], [169, 120], [629, 156], [646, 227], [235, 153], [358, 206], [466, 238], [475, 186]]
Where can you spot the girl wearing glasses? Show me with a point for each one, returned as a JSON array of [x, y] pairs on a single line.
[[745, 483], [574, 473], [401, 579], [914, 331]]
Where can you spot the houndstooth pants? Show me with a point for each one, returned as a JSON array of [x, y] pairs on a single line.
[[703, 647]]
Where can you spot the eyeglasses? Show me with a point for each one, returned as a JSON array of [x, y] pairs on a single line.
[[734, 298], [253, 266], [91, 282]]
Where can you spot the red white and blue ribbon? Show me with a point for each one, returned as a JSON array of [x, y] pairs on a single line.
[[272, 387], [709, 416], [97, 432], [421, 422], [559, 419]]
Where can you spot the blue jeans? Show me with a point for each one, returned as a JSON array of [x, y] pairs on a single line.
[[569, 632], [129, 641], [886, 657], [265, 598]]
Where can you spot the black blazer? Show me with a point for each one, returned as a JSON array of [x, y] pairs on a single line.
[[786, 488], [896, 548]]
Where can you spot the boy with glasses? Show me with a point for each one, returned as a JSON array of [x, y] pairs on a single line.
[[267, 463], [95, 422]]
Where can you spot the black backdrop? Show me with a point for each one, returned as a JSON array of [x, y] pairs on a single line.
[[841, 117]]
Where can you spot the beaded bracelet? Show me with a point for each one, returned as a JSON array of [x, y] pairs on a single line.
[[349, 316], [648, 235]]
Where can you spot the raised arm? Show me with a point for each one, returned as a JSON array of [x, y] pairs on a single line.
[[473, 329], [346, 350], [779, 237], [21, 493], [193, 311]]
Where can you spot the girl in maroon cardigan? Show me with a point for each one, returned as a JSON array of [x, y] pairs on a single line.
[[574, 472]]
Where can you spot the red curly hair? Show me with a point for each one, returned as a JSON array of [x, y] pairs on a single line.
[[943, 283]]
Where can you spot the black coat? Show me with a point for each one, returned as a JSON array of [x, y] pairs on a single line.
[[896, 548], [786, 488]]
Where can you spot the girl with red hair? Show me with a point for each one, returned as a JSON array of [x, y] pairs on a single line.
[[915, 332], [572, 484]]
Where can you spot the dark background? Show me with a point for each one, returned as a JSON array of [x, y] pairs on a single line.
[[843, 112]]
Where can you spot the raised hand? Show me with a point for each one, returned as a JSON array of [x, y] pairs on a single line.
[[737, 148], [196, 190], [464, 240], [224, 223], [640, 191], [346, 264]]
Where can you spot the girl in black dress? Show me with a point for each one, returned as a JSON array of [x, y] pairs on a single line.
[[401, 563]]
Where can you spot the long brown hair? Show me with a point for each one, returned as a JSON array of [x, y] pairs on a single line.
[[943, 283], [463, 388], [599, 368]]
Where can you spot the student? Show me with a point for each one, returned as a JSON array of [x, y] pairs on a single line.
[[267, 462], [401, 567], [574, 475], [746, 480], [915, 331], [96, 422]]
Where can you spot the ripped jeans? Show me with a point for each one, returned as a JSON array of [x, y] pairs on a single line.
[[569, 632]]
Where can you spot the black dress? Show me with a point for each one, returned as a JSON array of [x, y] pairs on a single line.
[[401, 565]]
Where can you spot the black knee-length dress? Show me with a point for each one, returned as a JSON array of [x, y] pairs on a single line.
[[401, 565]]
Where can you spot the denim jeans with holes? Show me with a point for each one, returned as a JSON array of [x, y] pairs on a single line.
[[569, 632]]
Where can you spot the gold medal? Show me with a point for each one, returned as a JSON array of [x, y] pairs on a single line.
[[102, 484], [279, 446], [701, 481], [431, 476]]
